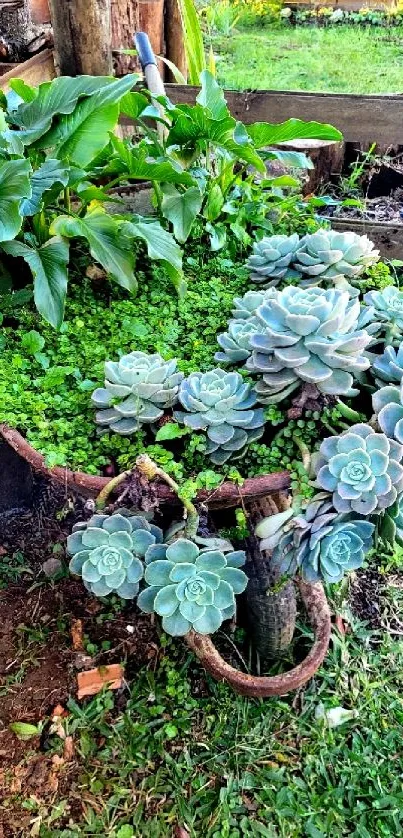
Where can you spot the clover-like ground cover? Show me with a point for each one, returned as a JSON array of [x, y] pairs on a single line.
[[47, 377]]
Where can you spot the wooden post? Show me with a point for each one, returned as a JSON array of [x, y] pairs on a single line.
[[82, 35], [174, 40]]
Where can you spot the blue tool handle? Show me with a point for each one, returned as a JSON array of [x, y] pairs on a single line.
[[144, 49]]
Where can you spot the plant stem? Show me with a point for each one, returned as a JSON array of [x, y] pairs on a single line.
[[305, 452], [110, 487], [150, 470], [67, 199], [348, 412]]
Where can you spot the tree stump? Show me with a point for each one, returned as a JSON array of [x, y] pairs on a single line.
[[15, 28], [82, 35], [326, 155]]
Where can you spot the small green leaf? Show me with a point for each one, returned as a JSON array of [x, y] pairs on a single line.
[[171, 431], [23, 730], [32, 342], [211, 96], [181, 209]]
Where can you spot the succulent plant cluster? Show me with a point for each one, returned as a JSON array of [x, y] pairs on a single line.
[[192, 588], [272, 258], [307, 335], [320, 543], [221, 404], [388, 407], [138, 388], [388, 367], [384, 311], [108, 552], [326, 256], [362, 469]]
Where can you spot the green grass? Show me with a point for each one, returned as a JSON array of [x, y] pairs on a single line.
[[224, 766], [344, 59]]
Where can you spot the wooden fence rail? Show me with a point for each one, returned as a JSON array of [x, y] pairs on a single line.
[[361, 119]]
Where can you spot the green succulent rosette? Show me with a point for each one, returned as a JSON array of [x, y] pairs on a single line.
[[192, 588]]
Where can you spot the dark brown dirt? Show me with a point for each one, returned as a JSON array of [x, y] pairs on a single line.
[[38, 672], [365, 597]]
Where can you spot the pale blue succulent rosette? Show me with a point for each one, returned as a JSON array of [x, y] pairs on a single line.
[[362, 469], [235, 343], [192, 588], [388, 367], [334, 257], [246, 307], [320, 544], [308, 335], [272, 258], [384, 311], [388, 407], [138, 388], [221, 404], [108, 553]]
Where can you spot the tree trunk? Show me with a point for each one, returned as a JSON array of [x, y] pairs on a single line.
[[15, 28], [174, 39], [129, 17], [82, 34], [125, 22]]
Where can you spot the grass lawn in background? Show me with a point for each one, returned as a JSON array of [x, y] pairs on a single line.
[[339, 59]]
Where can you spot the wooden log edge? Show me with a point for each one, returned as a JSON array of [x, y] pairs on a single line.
[[225, 496], [254, 686]]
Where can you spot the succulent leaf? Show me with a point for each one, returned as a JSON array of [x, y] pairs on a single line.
[[272, 258], [334, 257], [322, 544]]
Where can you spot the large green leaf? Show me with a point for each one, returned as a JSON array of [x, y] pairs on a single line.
[[160, 245], [137, 165], [193, 126], [132, 104], [181, 209], [59, 96], [49, 268], [193, 40], [264, 133], [50, 173], [14, 185], [109, 244], [211, 96], [81, 135]]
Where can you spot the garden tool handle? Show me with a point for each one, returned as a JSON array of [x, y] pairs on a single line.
[[151, 73]]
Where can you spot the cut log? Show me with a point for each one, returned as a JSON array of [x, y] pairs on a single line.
[[40, 11], [327, 158], [129, 17], [225, 496], [82, 35]]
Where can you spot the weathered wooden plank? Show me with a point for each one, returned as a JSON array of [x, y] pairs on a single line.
[[363, 119], [34, 71]]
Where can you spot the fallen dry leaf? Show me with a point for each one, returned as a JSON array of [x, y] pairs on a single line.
[[92, 681], [68, 750], [339, 623], [77, 635]]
